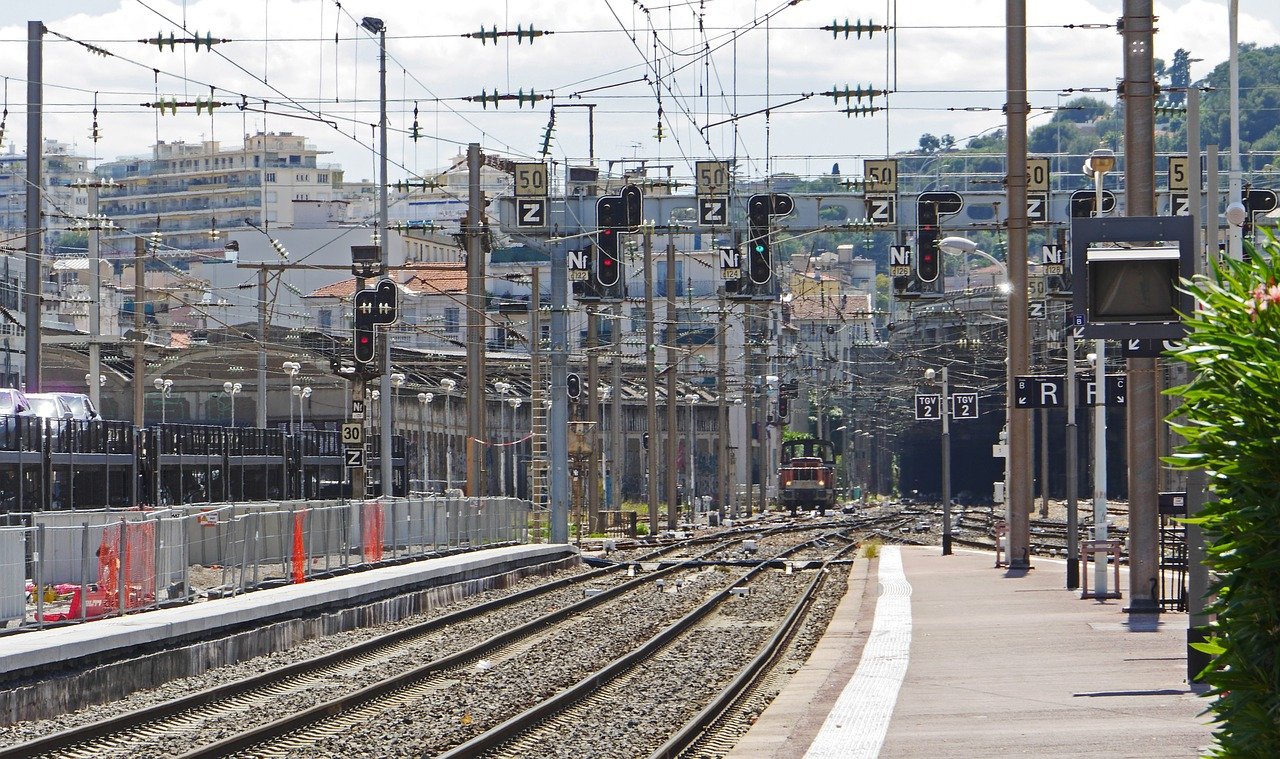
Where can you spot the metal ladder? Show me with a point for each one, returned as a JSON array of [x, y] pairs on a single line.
[[539, 463]]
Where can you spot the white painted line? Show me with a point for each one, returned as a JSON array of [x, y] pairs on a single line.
[[857, 724]]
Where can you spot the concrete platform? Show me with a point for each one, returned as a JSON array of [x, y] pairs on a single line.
[[991, 664], [46, 673]]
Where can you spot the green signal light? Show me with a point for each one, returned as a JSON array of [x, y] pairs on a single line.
[[759, 248]]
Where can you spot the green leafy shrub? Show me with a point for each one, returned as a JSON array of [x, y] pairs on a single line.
[[1231, 423]]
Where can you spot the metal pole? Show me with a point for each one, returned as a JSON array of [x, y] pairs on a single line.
[[1018, 495], [261, 422], [1100, 465], [671, 370], [558, 419], [448, 442], [1073, 517], [617, 441], [722, 410], [476, 482], [692, 443], [946, 466], [650, 384], [139, 358], [35, 184], [593, 416], [384, 386], [1044, 463], [748, 404], [1235, 246], [1143, 384], [1197, 572], [95, 308]]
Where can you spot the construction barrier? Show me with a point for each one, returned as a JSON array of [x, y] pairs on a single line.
[[73, 566]]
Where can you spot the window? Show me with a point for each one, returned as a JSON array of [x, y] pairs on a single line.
[[452, 316], [322, 179], [270, 176], [326, 320]]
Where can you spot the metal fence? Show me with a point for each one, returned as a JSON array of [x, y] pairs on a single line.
[[72, 566]]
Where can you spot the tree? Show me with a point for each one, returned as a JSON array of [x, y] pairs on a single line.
[[1259, 99], [929, 143]]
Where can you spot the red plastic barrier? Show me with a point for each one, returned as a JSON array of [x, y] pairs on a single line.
[[299, 547], [134, 573], [371, 530]]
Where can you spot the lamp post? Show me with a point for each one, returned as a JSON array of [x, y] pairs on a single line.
[[292, 368], [1096, 166], [965, 246], [302, 394], [691, 399], [232, 389], [424, 399], [447, 385], [514, 402], [503, 388], [945, 410], [165, 386]]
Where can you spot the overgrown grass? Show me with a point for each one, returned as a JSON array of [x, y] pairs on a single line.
[[871, 548]]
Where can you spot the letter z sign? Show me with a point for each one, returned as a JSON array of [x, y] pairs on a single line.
[[531, 212]]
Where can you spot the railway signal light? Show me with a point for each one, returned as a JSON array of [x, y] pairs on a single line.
[[930, 208], [614, 213], [760, 210]]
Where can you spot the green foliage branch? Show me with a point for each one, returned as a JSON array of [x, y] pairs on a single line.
[[1230, 419]]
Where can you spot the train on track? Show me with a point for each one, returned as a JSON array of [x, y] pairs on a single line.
[[807, 477]]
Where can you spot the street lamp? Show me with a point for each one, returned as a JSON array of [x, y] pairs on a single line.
[[1097, 165], [503, 388], [945, 408], [965, 246], [292, 368], [165, 386], [232, 389], [447, 385], [691, 399], [514, 403], [302, 394], [424, 399]]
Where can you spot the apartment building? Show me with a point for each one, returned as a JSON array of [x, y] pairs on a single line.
[[185, 191]]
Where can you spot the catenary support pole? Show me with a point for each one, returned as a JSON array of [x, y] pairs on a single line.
[[1143, 404], [650, 385], [35, 184], [1018, 496], [558, 418], [672, 371], [476, 482]]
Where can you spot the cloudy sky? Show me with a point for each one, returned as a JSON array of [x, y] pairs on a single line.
[[701, 62]]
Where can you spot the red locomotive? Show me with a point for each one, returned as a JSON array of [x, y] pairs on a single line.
[[807, 477]]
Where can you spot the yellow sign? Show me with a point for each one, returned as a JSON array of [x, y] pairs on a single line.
[[531, 180], [880, 175], [352, 434], [712, 177], [1178, 172], [1037, 175]]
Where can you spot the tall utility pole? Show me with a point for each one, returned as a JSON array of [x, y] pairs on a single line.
[[537, 449], [475, 328], [1197, 572], [672, 370], [387, 407], [558, 419], [593, 416], [261, 418], [1144, 397], [650, 385], [139, 338], [1018, 497], [35, 181], [1235, 233], [95, 295], [617, 449], [722, 410], [748, 404]]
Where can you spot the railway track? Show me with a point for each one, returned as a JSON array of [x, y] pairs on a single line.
[[185, 722]]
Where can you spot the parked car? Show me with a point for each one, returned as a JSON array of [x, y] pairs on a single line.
[[82, 408], [49, 406], [13, 403]]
